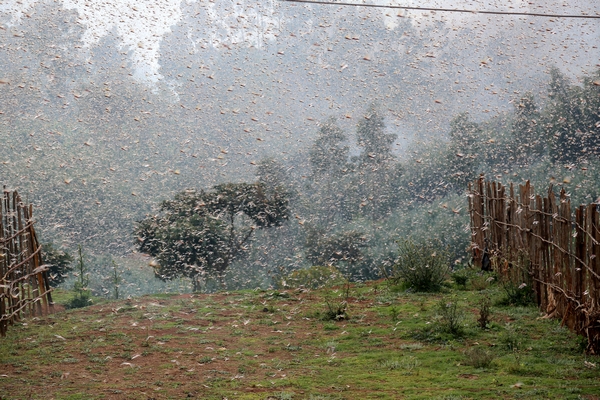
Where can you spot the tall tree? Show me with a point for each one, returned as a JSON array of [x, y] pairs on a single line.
[[564, 119], [464, 150], [527, 139], [199, 234], [378, 173], [329, 155], [590, 107], [371, 136], [272, 174], [328, 159]]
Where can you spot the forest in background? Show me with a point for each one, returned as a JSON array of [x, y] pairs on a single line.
[[94, 150], [349, 193]]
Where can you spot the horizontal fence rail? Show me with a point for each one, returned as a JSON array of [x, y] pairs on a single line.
[[542, 242], [24, 288]]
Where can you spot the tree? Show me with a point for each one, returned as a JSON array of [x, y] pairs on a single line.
[[334, 249], [58, 263], [328, 155], [116, 279], [463, 151], [527, 140], [565, 122], [273, 176], [82, 296], [590, 110], [328, 159], [199, 234], [371, 136], [378, 173]]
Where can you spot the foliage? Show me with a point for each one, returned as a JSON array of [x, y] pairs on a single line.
[[485, 305], [337, 310], [479, 358], [116, 279], [451, 317], [332, 250], [199, 234], [463, 151], [573, 117], [274, 178], [517, 294], [313, 277], [528, 141], [511, 338], [377, 176], [329, 196], [328, 155], [82, 296], [371, 136], [422, 266], [59, 264], [460, 278]]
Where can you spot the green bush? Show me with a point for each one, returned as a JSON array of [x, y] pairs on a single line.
[[485, 305], [479, 358], [82, 293], [82, 298], [461, 279], [517, 295], [313, 278], [422, 266], [450, 317]]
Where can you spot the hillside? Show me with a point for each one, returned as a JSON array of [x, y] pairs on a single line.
[[270, 344]]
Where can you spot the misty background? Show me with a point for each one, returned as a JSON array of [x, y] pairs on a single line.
[[108, 108]]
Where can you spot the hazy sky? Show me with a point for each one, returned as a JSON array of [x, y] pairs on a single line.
[[142, 24]]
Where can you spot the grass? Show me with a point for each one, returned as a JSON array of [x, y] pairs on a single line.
[[392, 345]]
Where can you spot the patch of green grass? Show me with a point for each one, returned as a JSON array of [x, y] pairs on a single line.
[[393, 347]]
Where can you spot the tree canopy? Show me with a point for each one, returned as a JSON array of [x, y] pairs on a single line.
[[59, 264], [199, 234]]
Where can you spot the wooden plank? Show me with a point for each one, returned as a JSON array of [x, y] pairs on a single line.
[[579, 270], [595, 257], [3, 269], [477, 221]]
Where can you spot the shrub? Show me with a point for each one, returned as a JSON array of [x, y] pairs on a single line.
[[485, 305], [517, 295], [82, 299], [479, 358], [461, 279], [422, 266], [337, 310], [481, 281], [59, 264], [82, 293], [451, 317], [510, 338], [313, 278]]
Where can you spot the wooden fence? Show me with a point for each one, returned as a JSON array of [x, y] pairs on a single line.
[[539, 241], [24, 288]]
